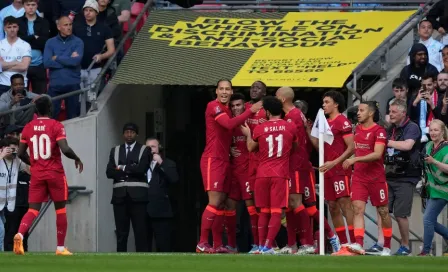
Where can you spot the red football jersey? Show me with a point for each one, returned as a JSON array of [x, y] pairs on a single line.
[[275, 139], [217, 137], [300, 157], [253, 121], [365, 140], [41, 136], [240, 163], [341, 128]]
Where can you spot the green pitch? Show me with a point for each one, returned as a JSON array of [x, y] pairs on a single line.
[[209, 263]]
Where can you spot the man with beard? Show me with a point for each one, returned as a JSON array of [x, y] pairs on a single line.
[[257, 92], [419, 64], [442, 88]]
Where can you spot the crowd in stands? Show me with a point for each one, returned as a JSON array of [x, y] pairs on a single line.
[[55, 47]]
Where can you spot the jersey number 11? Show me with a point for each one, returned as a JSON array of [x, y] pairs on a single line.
[[279, 140]]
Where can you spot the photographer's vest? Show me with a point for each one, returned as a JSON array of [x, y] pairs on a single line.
[[118, 183], [8, 183], [413, 168]]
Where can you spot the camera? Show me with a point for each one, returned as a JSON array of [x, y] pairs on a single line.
[[14, 150]]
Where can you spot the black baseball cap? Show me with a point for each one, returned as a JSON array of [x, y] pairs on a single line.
[[130, 126]]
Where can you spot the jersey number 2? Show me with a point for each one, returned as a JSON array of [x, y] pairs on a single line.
[[41, 147], [279, 140]]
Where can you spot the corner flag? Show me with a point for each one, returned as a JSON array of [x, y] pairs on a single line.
[[322, 130]]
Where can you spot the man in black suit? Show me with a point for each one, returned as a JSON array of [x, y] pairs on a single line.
[[128, 164], [161, 174]]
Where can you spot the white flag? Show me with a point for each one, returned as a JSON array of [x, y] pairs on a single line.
[[321, 126]]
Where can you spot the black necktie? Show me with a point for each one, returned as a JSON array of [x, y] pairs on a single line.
[[129, 151]]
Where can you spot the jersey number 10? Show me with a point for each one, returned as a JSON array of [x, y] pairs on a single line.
[[41, 147], [279, 140]]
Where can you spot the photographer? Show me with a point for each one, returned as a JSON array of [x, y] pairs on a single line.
[[10, 166], [403, 169], [436, 168], [18, 96]]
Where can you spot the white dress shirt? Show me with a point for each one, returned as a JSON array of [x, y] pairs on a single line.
[[149, 173]]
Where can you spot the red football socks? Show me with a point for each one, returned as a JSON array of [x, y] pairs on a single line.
[[230, 218], [351, 233], [291, 227], [218, 228], [303, 226], [208, 217], [314, 213], [61, 226], [27, 221], [275, 223], [342, 234], [263, 222], [253, 223], [359, 236], [387, 232]]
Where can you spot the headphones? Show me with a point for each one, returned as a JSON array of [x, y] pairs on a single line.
[[160, 146]]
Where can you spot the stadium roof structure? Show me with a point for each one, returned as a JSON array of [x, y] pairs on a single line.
[[297, 49]]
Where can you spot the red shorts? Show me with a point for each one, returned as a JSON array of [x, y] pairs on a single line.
[[377, 192], [303, 182], [54, 186], [253, 166], [240, 188], [214, 174], [271, 193], [337, 187]]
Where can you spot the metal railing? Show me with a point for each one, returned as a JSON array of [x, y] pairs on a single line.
[[381, 53], [73, 192], [97, 81]]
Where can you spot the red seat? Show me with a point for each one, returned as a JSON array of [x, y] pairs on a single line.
[[135, 10]]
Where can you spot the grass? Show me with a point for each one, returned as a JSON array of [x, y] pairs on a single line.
[[97, 262]]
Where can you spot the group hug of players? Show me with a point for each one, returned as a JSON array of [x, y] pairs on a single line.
[[258, 151]]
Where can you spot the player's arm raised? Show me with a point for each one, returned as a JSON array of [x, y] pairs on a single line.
[[251, 144], [69, 153], [230, 123]]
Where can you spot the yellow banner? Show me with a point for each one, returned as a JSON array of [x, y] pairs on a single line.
[[303, 49]]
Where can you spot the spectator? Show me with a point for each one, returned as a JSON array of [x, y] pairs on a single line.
[[96, 36], [400, 90], [419, 64], [15, 10], [445, 58], [122, 9], [18, 96], [436, 168], [442, 88], [108, 15], [14, 218], [434, 47], [161, 174], [62, 56], [5, 3], [68, 8], [423, 108], [439, 19], [10, 165], [302, 105], [403, 170], [127, 166], [15, 54], [35, 31]]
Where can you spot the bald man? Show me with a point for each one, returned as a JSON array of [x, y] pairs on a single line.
[[302, 195]]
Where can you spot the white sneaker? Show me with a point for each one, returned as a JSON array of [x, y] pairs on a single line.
[[289, 250], [356, 248], [305, 250], [386, 252]]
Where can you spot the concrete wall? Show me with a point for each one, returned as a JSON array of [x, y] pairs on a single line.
[[90, 218], [82, 216]]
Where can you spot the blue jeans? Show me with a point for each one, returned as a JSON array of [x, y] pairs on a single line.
[[434, 207], [72, 105], [2, 229]]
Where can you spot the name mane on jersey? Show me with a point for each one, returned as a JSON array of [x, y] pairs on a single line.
[[39, 128], [274, 128]]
